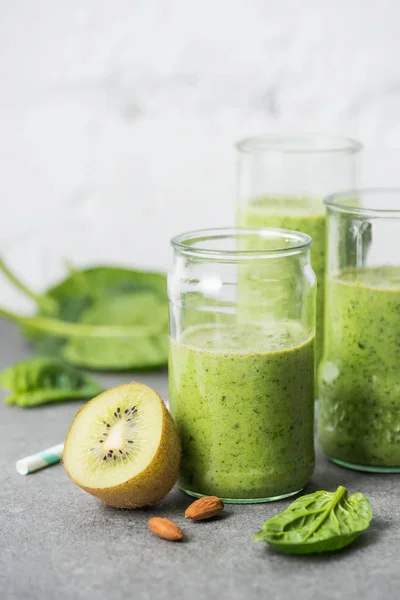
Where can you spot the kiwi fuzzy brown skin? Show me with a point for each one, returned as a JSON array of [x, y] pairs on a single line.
[[152, 484]]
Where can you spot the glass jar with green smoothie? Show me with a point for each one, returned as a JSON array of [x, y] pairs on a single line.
[[282, 182], [359, 376], [241, 380]]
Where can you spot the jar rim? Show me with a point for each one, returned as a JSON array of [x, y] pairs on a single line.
[[296, 242], [341, 201], [313, 143]]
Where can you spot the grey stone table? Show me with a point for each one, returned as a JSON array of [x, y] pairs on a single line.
[[59, 543]]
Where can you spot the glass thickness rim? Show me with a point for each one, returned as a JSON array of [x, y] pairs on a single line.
[[365, 468], [313, 143], [334, 202], [182, 243], [261, 500]]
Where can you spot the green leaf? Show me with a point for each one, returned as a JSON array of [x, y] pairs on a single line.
[[133, 309], [41, 380], [102, 283], [107, 318], [118, 354], [319, 522]]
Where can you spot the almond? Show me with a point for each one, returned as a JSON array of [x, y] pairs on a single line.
[[204, 508], [165, 529]]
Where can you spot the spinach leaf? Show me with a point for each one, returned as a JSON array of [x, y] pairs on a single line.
[[134, 310], [42, 380], [84, 287], [107, 318], [318, 522]]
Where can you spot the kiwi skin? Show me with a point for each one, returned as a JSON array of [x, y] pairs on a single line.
[[152, 484]]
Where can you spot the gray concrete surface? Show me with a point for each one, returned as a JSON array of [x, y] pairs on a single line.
[[58, 543]]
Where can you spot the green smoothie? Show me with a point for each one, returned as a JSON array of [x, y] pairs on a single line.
[[301, 214], [243, 400], [359, 377]]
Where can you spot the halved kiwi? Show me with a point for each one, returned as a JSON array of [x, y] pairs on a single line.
[[123, 447]]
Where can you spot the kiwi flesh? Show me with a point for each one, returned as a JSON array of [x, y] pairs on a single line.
[[123, 447]]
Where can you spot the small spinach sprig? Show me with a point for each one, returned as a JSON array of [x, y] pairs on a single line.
[[42, 380], [319, 522]]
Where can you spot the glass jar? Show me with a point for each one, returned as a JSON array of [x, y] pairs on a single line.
[[282, 182], [359, 376], [241, 380]]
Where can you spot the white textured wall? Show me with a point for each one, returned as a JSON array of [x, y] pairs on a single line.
[[131, 108]]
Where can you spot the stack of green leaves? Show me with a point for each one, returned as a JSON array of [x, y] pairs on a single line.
[[103, 318]]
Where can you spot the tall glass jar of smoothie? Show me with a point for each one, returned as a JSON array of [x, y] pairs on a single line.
[[242, 381], [282, 182], [359, 376]]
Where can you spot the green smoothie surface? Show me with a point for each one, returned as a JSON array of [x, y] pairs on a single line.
[[243, 400], [359, 377], [244, 338]]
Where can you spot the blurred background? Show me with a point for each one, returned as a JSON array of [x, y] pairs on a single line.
[[118, 117]]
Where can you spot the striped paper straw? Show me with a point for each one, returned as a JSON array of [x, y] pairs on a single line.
[[40, 460]]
